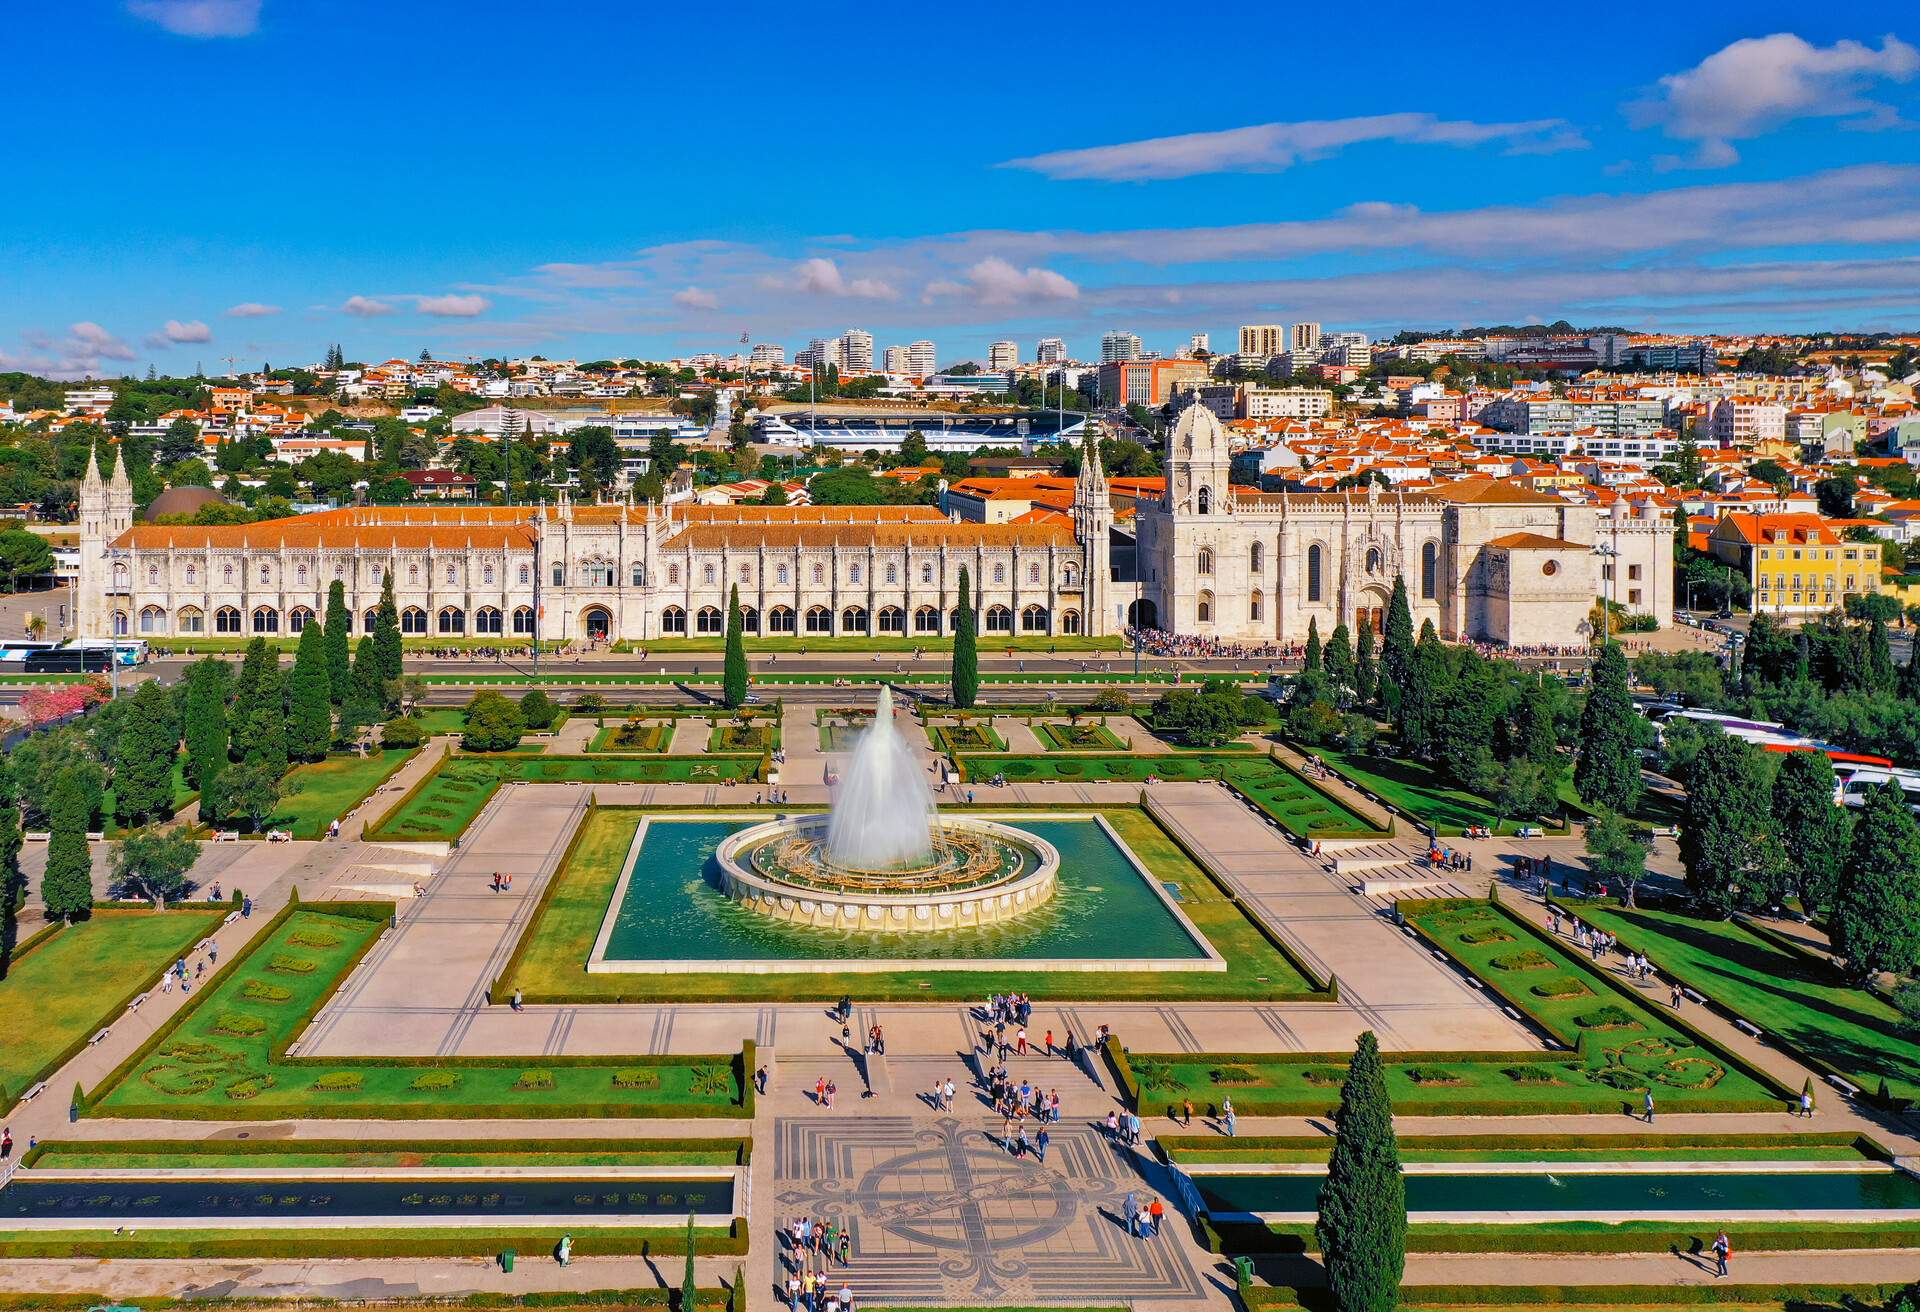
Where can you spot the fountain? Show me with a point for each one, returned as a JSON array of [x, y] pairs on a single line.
[[883, 858]]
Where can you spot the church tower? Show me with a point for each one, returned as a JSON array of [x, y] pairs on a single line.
[[1093, 525], [106, 511], [1197, 466]]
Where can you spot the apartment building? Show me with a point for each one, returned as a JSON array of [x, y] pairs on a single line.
[[768, 356], [1286, 403], [897, 360], [1744, 421], [1611, 417], [1304, 338], [856, 351], [1117, 345], [922, 360], [1050, 350], [1263, 339], [1003, 355], [1146, 382]]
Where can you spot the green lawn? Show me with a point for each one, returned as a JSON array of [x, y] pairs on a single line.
[[965, 736], [243, 1154], [1627, 1041], [905, 646], [1197, 1149], [442, 719], [550, 963], [1301, 809], [222, 1058], [1789, 995], [1087, 736], [1420, 792], [637, 737], [441, 807], [65, 987], [533, 1242], [321, 791], [1601, 1237], [731, 736]]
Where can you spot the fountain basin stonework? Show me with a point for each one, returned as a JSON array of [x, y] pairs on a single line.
[[883, 858]]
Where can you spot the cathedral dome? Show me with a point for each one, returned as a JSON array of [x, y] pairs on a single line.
[[180, 501]]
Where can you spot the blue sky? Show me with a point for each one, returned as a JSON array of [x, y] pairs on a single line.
[[259, 178]]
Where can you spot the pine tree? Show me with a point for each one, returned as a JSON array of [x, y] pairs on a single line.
[[1607, 772], [205, 720], [1726, 840], [689, 1292], [1366, 673], [733, 679], [1314, 662], [1362, 1228], [67, 886], [387, 648], [309, 728], [1422, 697], [339, 643], [143, 757], [13, 883], [966, 654], [1338, 656], [246, 694], [1812, 829], [1876, 915], [1396, 652], [266, 738]]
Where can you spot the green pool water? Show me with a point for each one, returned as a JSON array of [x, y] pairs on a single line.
[[674, 910], [1583, 1193]]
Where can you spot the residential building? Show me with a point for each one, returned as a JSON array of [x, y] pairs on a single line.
[[1286, 403], [1147, 382], [897, 360], [1263, 339], [1739, 422], [1117, 345], [1003, 355], [1200, 344], [1304, 338], [922, 360], [1536, 414], [1051, 350], [768, 356], [1796, 563], [856, 352]]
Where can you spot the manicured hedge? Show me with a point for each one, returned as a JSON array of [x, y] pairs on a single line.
[[1578, 1296], [348, 1242], [1174, 1145], [1257, 1239]]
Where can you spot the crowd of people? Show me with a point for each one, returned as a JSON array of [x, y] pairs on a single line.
[[812, 1249]]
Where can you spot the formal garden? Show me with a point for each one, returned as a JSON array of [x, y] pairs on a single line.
[[952, 737], [1077, 736]]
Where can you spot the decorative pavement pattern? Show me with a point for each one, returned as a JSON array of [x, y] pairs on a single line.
[[939, 1209]]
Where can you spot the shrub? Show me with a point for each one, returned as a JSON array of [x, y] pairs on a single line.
[[406, 731], [1433, 1075], [260, 990], [249, 1086], [1324, 1076], [1607, 1018], [435, 1081], [1151, 1075], [710, 1081], [1532, 1074], [239, 1026], [1491, 934], [1528, 960], [314, 938], [640, 1078], [1560, 988], [1233, 1075], [288, 965], [531, 1081], [339, 1081]]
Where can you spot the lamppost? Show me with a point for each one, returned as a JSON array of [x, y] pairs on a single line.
[[1608, 555]]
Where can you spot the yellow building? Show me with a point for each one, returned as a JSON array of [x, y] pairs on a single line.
[[1797, 563]]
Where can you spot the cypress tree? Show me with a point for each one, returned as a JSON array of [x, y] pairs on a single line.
[[1314, 662], [143, 757], [1366, 673], [1875, 924], [1812, 829], [267, 726], [208, 681], [67, 886], [13, 883], [1338, 656], [339, 643], [689, 1291], [966, 653], [1725, 842], [733, 679], [1396, 653], [246, 693], [1422, 698], [1608, 770], [1362, 1228], [1880, 671], [309, 730], [386, 638]]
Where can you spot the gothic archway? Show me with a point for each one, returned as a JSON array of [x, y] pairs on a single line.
[[1143, 614]]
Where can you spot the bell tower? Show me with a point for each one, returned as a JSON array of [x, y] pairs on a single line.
[[1197, 466], [1092, 526]]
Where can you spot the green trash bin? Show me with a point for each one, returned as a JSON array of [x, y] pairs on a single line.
[[1242, 1271], [506, 1259]]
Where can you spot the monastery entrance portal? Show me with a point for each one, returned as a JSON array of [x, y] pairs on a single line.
[[598, 623]]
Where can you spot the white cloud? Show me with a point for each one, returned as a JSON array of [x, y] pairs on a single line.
[[822, 277], [365, 307], [175, 332], [452, 306], [695, 298], [83, 352], [200, 18], [99, 341], [994, 282], [1759, 83], [251, 310], [1272, 147]]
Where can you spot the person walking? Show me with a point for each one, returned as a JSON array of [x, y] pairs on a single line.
[[793, 1293], [949, 1094], [1156, 1211], [565, 1252], [1226, 1115], [1722, 1250], [1131, 1210], [1806, 1103], [1186, 1113], [1674, 998], [6, 1143], [1040, 1143], [1649, 1106]]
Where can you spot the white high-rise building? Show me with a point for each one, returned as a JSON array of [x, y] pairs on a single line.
[[922, 359], [897, 360], [1051, 350], [1200, 344], [1305, 338], [1263, 339], [1117, 346], [856, 351], [1350, 349], [768, 356], [821, 352], [1003, 355]]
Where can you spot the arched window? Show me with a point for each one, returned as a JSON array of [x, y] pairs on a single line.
[[226, 620], [639, 575], [596, 574], [1429, 570], [1205, 501], [119, 576], [266, 620], [819, 574], [1373, 560], [193, 575], [486, 575], [453, 620], [1206, 560], [300, 575], [486, 620], [1313, 572], [819, 619], [526, 576], [673, 576], [379, 576], [853, 574], [153, 620], [953, 620], [266, 572], [452, 574], [119, 624], [708, 619], [926, 620], [999, 619], [893, 574], [190, 620], [749, 620], [1033, 619], [298, 618], [999, 573], [369, 621], [673, 620], [706, 575], [1033, 572], [1205, 612], [780, 574], [853, 619], [926, 573], [339, 571], [780, 620], [413, 620], [1070, 575], [1257, 557], [153, 577], [746, 573], [1070, 622], [892, 620], [226, 574], [1256, 606], [523, 620], [413, 574]]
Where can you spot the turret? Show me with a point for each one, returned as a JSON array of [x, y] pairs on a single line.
[[1092, 526]]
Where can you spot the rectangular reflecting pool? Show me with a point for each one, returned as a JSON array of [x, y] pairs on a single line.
[[1107, 911], [300, 1199], [1584, 1193]]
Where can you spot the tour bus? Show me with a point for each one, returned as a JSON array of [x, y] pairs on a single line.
[[18, 649], [69, 660], [126, 651], [1854, 789]]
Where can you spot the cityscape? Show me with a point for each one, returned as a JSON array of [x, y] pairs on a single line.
[[614, 696]]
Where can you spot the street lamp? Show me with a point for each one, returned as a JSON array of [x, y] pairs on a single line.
[[1608, 555]]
